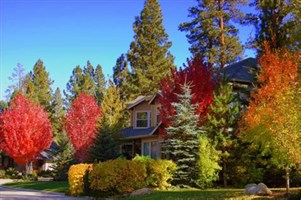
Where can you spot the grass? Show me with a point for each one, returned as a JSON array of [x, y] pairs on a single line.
[[172, 194], [209, 194], [53, 186]]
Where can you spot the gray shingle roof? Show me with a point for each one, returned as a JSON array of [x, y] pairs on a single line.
[[130, 132], [241, 71]]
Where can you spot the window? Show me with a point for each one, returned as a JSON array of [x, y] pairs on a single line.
[[142, 119], [151, 149]]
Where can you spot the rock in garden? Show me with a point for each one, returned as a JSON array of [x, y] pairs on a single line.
[[260, 189], [263, 189], [142, 191], [251, 189]]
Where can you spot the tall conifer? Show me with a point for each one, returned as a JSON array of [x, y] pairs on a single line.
[[211, 32], [149, 55]]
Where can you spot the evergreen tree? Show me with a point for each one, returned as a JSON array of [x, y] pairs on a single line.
[[18, 81], [39, 86], [63, 157], [73, 88], [148, 56], [107, 141], [120, 74], [100, 84], [278, 23], [58, 112], [221, 124], [211, 32], [182, 144], [86, 80]]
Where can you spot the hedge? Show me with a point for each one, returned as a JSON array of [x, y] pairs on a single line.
[[76, 175]]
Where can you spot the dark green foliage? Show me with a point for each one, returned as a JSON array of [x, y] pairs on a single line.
[[58, 113], [38, 86], [120, 74], [149, 55], [222, 121], [182, 144], [87, 80], [108, 139], [63, 157], [277, 23], [106, 145], [211, 32]]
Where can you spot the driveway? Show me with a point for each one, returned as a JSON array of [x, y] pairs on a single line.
[[7, 193]]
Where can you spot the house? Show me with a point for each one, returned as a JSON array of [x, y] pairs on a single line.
[[43, 162], [142, 137]]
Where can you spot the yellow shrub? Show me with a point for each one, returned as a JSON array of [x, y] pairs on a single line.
[[159, 172], [117, 176], [76, 178]]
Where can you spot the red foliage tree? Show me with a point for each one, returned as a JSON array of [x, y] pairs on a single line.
[[25, 130], [82, 123], [200, 77]]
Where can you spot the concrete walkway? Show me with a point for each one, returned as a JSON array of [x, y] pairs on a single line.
[[7, 193]]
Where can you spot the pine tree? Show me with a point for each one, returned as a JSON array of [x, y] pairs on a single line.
[[277, 23], [120, 74], [86, 80], [148, 56], [18, 81], [100, 84], [107, 141], [39, 86], [58, 113], [211, 32], [63, 157], [221, 124], [182, 144]]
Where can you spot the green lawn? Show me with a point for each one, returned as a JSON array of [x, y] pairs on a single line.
[[53, 186], [172, 194]]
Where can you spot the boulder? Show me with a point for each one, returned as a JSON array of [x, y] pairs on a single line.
[[260, 189], [251, 189], [140, 192], [263, 189]]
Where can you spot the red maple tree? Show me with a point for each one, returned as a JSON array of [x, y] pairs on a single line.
[[200, 77], [82, 123], [25, 130]]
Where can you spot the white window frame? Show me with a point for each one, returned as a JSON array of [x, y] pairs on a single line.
[[148, 119]]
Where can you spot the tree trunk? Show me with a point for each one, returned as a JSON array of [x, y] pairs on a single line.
[[28, 168], [222, 36], [287, 179], [225, 174]]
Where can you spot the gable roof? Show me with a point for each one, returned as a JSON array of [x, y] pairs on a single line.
[[242, 71], [141, 99]]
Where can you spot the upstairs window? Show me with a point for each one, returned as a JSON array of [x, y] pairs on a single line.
[[142, 119]]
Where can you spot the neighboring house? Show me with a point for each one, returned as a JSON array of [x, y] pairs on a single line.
[[43, 162], [242, 75], [142, 137]]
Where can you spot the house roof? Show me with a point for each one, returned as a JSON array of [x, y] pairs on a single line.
[[48, 154], [141, 99], [131, 133], [242, 71]]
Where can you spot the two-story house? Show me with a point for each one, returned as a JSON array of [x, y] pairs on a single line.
[[142, 137]]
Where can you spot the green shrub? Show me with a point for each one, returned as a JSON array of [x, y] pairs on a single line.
[[11, 173], [76, 178], [117, 176], [47, 173], [159, 172]]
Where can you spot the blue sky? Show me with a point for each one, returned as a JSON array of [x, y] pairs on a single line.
[[67, 33]]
